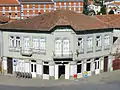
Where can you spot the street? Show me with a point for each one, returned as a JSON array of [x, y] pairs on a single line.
[[113, 86], [104, 81]]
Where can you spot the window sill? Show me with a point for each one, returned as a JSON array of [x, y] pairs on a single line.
[[98, 49], [107, 48], [14, 49]]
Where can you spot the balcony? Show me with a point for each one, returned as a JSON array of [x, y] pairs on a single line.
[[26, 51], [62, 54]]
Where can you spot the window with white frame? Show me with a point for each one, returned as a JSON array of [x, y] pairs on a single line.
[[42, 44], [22, 8], [35, 43], [44, 8], [11, 41], [106, 40], [3, 10], [17, 42], [98, 41], [66, 46], [14, 42], [90, 42], [26, 43], [58, 46], [80, 44]]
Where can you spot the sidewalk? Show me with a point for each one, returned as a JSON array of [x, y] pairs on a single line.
[[106, 77]]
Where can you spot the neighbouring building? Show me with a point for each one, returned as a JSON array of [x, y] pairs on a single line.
[[31, 8], [57, 44], [113, 5], [10, 8], [95, 8], [20, 9], [74, 5]]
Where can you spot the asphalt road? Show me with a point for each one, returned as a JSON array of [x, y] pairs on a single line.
[[112, 86], [104, 81]]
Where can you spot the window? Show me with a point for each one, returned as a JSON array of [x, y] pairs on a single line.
[[45, 69], [3, 10], [18, 42], [42, 44], [35, 43], [65, 47], [80, 44], [106, 41], [14, 42], [58, 46], [11, 38], [44, 8], [26, 43], [90, 43], [98, 41]]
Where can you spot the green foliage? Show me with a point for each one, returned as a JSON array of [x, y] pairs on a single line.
[[111, 12], [100, 2], [85, 9], [103, 10]]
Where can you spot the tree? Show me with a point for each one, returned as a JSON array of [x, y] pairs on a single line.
[[85, 7], [91, 13], [103, 10], [100, 2], [111, 12]]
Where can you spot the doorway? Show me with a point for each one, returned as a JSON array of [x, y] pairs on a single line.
[[61, 71], [9, 65], [97, 65], [33, 68], [105, 64]]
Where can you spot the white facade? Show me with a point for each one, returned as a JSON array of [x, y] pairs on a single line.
[[55, 56]]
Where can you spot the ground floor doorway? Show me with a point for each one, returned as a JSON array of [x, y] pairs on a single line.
[[106, 64], [9, 65], [61, 71]]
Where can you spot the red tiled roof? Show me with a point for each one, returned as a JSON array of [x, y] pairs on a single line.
[[47, 21], [9, 2], [112, 19], [36, 1]]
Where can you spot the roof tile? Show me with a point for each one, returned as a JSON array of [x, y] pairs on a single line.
[[9, 2], [48, 20]]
